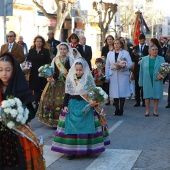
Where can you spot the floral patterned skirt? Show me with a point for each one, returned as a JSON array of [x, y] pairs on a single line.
[[51, 104], [11, 152]]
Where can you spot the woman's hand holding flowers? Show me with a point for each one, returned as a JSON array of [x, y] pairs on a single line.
[[50, 79]]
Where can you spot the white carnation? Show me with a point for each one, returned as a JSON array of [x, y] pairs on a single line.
[[101, 92], [23, 121], [39, 70], [5, 104], [7, 110], [20, 109], [14, 113], [11, 124], [19, 117], [26, 113], [12, 102], [18, 101], [105, 96]]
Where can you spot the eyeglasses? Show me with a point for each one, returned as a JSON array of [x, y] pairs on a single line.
[[73, 38], [10, 36], [49, 34]]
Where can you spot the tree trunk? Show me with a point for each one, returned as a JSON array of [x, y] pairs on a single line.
[[57, 34], [59, 23]]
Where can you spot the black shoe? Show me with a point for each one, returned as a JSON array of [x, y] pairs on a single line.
[[156, 115], [54, 128], [146, 114], [143, 105], [168, 106], [70, 157], [116, 113], [120, 113], [136, 105], [108, 103], [113, 104]]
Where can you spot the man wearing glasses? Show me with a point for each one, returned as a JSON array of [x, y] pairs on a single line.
[[52, 43], [12, 47]]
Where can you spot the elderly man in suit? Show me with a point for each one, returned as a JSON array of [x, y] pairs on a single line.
[[86, 49], [12, 47]]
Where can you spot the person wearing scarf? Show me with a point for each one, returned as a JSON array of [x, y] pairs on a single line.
[[17, 150], [52, 97], [79, 133]]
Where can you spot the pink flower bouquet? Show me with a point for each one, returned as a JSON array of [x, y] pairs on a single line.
[[121, 64]]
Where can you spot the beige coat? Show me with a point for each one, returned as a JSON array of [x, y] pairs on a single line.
[[16, 51]]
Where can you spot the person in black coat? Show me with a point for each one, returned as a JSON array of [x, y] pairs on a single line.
[[109, 46], [52, 44], [86, 50], [38, 55], [138, 52]]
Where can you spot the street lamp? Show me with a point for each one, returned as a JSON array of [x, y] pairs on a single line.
[[100, 22]]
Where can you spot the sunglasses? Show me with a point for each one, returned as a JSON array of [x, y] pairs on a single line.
[[73, 38], [10, 36]]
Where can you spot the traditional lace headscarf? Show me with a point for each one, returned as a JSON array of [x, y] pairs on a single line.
[[69, 54], [75, 86], [78, 55]]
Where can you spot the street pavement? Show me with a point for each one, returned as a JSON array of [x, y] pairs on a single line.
[[137, 142]]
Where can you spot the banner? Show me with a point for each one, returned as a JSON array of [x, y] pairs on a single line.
[[136, 31], [140, 27]]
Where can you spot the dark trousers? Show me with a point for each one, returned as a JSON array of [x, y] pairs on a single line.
[[119, 104], [138, 90], [37, 96]]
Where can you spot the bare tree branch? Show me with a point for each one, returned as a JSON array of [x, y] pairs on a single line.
[[43, 10]]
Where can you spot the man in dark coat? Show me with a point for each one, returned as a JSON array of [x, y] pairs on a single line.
[[86, 50], [52, 43], [138, 52]]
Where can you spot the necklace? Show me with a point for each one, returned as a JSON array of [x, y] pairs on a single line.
[[76, 80], [63, 59]]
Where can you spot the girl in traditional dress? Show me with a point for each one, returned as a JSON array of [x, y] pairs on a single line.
[[52, 97], [78, 133], [18, 148]]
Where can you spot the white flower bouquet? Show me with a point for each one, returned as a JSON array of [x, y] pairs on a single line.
[[13, 113], [45, 71], [164, 69], [26, 66], [96, 96]]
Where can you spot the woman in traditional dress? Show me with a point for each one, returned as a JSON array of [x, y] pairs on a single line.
[[78, 133], [52, 97], [19, 147]]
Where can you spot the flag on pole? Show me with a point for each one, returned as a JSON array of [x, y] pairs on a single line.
[[140, 27], [137, 28]]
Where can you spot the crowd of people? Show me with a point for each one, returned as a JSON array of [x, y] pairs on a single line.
[[60, 106]]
